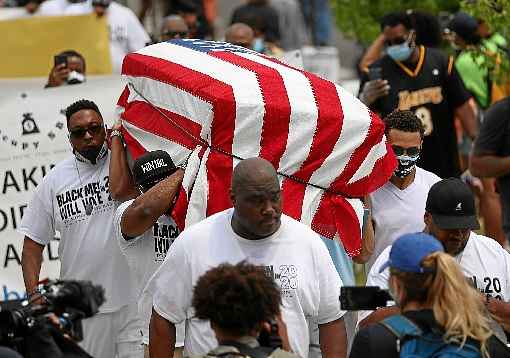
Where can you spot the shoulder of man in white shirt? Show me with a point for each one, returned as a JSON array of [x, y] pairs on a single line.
[[52, 7], [429, 177], [79, 8], [492, 245]]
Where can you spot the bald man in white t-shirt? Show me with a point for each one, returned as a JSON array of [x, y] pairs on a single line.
[[254, 230]]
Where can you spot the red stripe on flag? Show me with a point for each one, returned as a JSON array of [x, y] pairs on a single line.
[[209, 89], [276, 104], [123, 99], [374, 136], [384, 168], [143, 116], [336, 215], [180, 209], [134, 147], [329, 125]]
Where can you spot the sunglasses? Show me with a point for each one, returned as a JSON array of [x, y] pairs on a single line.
[[399, 40], [80, 132], [411, 151]]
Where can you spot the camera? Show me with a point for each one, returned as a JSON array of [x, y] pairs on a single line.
[[270, 338], [356, 298], [69, 301]]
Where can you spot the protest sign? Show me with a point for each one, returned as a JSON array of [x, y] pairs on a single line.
[[32, 43]]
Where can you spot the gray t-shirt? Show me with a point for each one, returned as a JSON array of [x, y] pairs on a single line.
[[494, 139]]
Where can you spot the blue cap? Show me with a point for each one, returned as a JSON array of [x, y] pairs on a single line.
[[409, 250]]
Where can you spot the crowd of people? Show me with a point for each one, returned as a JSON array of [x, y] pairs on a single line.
[[217, 287]]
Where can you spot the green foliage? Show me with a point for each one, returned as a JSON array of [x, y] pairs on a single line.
[[495, 13], [359, 19]]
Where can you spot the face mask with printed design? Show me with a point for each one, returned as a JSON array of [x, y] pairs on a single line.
[[406, 165]]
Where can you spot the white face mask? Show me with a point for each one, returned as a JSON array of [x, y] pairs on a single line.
[[75, 77]]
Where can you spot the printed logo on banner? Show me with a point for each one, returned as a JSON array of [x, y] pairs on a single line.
[[28, 124], [29, 135]]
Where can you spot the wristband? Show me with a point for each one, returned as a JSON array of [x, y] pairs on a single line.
[[116, 133]]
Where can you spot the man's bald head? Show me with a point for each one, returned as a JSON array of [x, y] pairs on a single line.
[[255, 194], [174, 27], [240, 34], [252, 171]]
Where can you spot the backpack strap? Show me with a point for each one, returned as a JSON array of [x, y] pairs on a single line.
[[401, 327], [245, 350]]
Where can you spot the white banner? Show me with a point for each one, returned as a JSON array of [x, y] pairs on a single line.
[[33, 138]]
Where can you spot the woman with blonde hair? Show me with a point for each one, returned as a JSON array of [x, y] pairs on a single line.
[[442, 314]]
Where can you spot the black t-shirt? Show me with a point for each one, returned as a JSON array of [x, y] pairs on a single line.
[[376, 340], [494, 139], [432, 90]]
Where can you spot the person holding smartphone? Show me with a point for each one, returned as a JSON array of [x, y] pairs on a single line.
[[425, 81], [68, 68]]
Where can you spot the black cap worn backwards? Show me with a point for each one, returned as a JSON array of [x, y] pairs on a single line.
[[152, 167], [452, 205]]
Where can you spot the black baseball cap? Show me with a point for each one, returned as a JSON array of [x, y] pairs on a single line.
[[465, 26], [452, 205], [152, 167]]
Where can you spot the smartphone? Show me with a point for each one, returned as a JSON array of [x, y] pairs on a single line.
[[356, 298], [60, 59], [374, 73]]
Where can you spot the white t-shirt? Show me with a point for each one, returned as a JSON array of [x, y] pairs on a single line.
[[144, 255], [87, 248], [396, 212], [483, 260], [295, 256], [53, 7], [126, 32]]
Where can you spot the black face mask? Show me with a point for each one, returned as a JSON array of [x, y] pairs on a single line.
[[92, 154]]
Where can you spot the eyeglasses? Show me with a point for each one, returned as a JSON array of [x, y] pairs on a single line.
[[175, 34], [80, 132], [399, 40], [411, 151]]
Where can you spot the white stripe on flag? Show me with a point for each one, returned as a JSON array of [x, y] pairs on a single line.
[[311, 202], [303, 114], [376, 152], [354, 131], [151, 141], [191, 172], [173, 99], [197, 203], [244, 83]]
